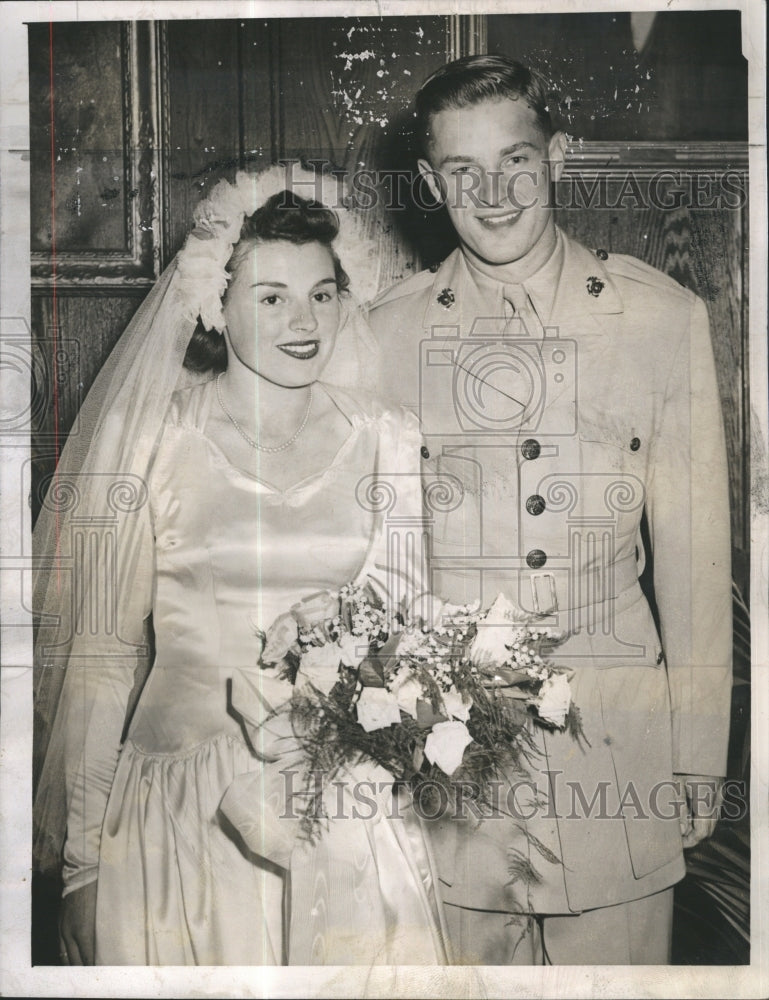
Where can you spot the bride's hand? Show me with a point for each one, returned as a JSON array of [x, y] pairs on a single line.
[[507, 680], [77, 926]]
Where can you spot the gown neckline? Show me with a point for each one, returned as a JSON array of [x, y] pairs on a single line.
[[304, 483]]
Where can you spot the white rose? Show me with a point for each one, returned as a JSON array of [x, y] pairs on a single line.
[[445, 745], [554, 699], [407, 691], [281, 636], [490, 645], [456, 707], [377, 708], [496, 633], [354, 650], [320, 666], [503, 610]]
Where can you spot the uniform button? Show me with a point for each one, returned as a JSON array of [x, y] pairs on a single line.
[[635, 444], [434, 267], [424, 451], [536, 559], [602, 255], [535, 504], [530, 448]]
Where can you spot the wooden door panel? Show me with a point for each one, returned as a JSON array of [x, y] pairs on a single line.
[[202, 117]]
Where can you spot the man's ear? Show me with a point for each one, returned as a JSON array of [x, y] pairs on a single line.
[[432, 180], [556, 151]]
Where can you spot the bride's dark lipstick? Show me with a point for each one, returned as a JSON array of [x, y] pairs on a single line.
[[302, 350]]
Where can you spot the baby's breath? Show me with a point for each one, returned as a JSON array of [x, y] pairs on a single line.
[[434, 673]]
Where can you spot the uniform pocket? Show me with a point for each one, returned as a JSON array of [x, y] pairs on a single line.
[[612, 477], [452, 498]]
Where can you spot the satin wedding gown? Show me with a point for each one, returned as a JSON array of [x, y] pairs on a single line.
[[177, 885]]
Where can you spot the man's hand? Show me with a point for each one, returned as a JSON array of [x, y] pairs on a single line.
[[77, 926], [700, 796]]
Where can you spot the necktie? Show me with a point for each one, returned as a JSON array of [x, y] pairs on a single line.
[[524, 321]]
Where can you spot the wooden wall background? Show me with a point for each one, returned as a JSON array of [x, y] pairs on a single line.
[[131, 124]]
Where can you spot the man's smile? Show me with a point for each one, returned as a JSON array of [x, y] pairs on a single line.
[[500, 219]]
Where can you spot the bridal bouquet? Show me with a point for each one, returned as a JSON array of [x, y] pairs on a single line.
[[442, 697]]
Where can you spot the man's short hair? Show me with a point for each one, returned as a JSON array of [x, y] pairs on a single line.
[[473, 79]]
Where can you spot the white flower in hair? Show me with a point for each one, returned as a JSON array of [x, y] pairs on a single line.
[[218, 222], [221, 214]]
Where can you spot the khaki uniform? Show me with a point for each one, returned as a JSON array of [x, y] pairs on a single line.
[[545, 445]]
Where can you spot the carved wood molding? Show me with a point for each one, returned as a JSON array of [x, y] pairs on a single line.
[[466, 35], [137, 263], [163, 105], [650, 158]]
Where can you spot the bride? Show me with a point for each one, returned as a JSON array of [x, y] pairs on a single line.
[[235, 499]]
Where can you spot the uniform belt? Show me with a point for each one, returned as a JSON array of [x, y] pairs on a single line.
[[614, 629], [604, 589], [585, 600]]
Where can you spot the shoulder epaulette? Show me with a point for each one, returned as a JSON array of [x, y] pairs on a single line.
[[624, 266], [406, 286]]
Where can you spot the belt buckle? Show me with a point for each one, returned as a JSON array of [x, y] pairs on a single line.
[[553, 606]]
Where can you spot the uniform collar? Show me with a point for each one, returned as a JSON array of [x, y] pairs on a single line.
[[455, 299], [540, 286], [585, 285], [572, 282]]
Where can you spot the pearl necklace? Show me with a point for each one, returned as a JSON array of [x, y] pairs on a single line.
[[250, 440]]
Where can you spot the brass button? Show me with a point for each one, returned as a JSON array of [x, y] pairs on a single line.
[[530, 448], [536, 559], [602, 255], [424, 451], [635, 444], [535, 504]]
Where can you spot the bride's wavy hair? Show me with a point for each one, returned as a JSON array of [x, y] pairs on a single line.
[[283, 217]]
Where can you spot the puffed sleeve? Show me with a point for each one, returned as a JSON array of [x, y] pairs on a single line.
[[688, 506], [397, 564]]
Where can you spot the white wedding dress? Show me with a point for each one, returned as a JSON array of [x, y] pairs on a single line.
[[176, 883]]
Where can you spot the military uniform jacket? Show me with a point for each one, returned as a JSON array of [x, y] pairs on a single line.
[[544, 450]]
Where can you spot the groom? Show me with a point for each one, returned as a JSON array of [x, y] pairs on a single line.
[[568, 403]]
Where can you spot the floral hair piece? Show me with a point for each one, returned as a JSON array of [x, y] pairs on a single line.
[[201, 264]]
